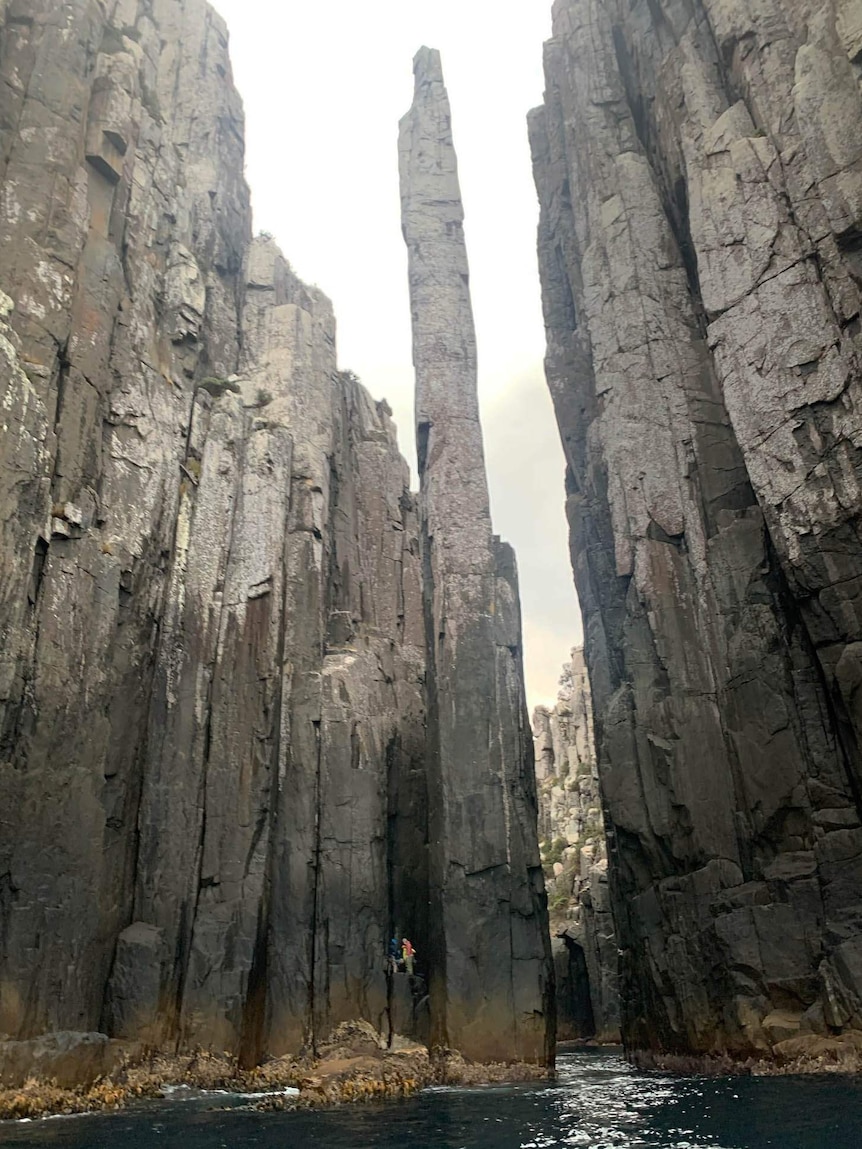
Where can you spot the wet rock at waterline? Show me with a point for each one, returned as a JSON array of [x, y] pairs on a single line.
[[213, 690], [700, 178]]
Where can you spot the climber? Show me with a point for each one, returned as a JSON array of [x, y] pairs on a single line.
[[394, 955], [408, 953]]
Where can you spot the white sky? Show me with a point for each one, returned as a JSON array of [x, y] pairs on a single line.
[[325, 83]]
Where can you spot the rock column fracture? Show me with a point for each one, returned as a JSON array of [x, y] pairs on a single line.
[[699, 168], [574, 851], [211, 628], [490, 972]]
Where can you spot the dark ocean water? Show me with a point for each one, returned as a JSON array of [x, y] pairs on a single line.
[[598, 1102]]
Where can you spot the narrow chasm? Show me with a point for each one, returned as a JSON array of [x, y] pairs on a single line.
[[275, 820]]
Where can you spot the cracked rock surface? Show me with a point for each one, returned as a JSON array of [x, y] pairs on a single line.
[[212, 640], [700, 173], [488, 898], [575, 857]]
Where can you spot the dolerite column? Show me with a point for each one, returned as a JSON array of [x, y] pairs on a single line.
[[488, 956]]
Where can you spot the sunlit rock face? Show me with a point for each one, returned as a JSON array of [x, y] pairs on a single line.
[[700, 172], [491, 978], [575, 858], [213, 692]]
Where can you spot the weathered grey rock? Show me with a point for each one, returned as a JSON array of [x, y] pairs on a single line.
[[487, 912], [134, 1004], [98, 188], [211, 606], [572, 842], [68, 1059], [699, 171], [212, 645]]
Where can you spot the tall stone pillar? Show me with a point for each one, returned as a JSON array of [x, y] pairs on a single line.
[[488, 956]]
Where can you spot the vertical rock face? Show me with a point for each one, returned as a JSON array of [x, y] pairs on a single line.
[[211, 632], [490, 970], [122, 237], [574, 852], [213, 749], [700, 175]]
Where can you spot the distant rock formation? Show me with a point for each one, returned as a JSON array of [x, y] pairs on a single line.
[[572, 842], [488, 901], [213, 695], [700, 175]]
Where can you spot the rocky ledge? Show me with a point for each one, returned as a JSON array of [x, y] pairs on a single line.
[[356, 1064]]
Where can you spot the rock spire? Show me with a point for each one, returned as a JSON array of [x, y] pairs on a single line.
[[213, 744], [488, 903]]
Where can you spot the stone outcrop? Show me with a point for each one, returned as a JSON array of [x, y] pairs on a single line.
[[212, 637], [572, 843], [70, 1060], [488, 901], [699, 169]]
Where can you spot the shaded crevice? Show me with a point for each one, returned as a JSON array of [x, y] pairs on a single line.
[[40, 557], [423, 432], [673, 193], [436, 944], [850, 246], [254, 1019], [570, 315], [251, 1045], [392, 827], [317, 852], [64, 366], [574, 999], [185, 936], [847, 745]]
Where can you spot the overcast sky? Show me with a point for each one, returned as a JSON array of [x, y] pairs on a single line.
[[324, 85]]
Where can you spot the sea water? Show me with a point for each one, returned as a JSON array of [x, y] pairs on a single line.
[[597, 1102]]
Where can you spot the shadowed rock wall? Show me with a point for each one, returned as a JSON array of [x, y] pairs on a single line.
[[488, 903], [699, 168], [212, 641]]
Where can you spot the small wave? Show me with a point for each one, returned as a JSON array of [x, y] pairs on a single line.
[[49, 1117], [288, 1092], [485, 1087], [183, 1093]]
